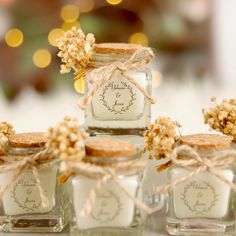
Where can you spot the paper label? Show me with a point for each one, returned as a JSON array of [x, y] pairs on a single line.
[[199, 197], [108, 207]]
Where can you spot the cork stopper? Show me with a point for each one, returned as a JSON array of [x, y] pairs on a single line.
[[207, 142], [110, 148], [116, 48], [2, 151], [28, 140]]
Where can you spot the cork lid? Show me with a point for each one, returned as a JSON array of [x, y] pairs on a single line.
[[207, 142], [116, 48], [28, 140], [2, 151], [110, 148]]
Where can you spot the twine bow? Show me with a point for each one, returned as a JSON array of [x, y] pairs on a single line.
[[196, 164], [44, 158], [100, 76], [104, 174]]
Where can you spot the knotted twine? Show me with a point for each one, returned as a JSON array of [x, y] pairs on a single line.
[[105, 174], [197, 164], [101, 75], [44, 158]]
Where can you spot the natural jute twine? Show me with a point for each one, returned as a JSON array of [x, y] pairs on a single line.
[[105, 174], [101, 75], [44, 158], [197, 164]]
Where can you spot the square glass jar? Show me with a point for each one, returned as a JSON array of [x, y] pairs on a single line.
[[21, 207], [118, 107], [203, 204], [113, 212]]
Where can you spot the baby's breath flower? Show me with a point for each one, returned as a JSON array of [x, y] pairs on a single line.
[[222, 117], [67, 140], [160, 137], [6, 130], [76, 50]]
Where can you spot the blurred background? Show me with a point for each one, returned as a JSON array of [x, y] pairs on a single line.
[[194, 41]]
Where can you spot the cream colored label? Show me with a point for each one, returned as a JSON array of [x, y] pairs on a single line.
[[112, 207], [23, 196], [119, 99], [199, 197], [203, 195], [123, 97], [108, 207]]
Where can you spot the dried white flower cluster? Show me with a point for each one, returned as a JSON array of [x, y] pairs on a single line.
[[222, 117], [67, 140], [6, 130], [161, 137], [76, 50]]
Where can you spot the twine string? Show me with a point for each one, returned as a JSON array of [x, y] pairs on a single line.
[[105, 174], [41, 159], [44, 199], [137, 202], [197, 164], [93, 195], [11, 181], [103, 74]]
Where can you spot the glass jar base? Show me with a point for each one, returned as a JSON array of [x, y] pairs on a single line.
[[197, 227], [107, 232], [32, 223], [94, 131]]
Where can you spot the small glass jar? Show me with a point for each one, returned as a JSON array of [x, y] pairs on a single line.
[[21, 207], [203, 204], [119, 107], [113, 213]]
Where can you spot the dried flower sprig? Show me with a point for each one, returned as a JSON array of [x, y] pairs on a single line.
[[222, 117], [6, 130], [160, 137], [76, 50], [67, 140]]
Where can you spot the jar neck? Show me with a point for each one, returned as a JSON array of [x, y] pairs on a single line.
[[206, 154], [106, 59], [107, 161], [24, 151]]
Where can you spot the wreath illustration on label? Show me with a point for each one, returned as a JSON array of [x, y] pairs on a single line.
[[23, 194], [199, 197], [108, 207], [122, 98]]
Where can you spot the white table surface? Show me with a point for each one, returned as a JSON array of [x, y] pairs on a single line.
[[155, 227]]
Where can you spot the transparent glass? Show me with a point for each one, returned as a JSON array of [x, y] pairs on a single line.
[[113, 213], [20, 207], [152, 180], [202, 205], [119, 107]]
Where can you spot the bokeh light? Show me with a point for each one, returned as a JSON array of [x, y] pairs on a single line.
[[114, 2], [42, 58], [70, 13], [79, 85], [7, 3], [139, 38], [66, 25], [14, 37], [85, 6], [54, 35]]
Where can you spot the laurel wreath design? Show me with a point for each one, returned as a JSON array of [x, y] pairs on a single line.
[[23, 205], [193, 209], [118, 210], [124, 109]]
